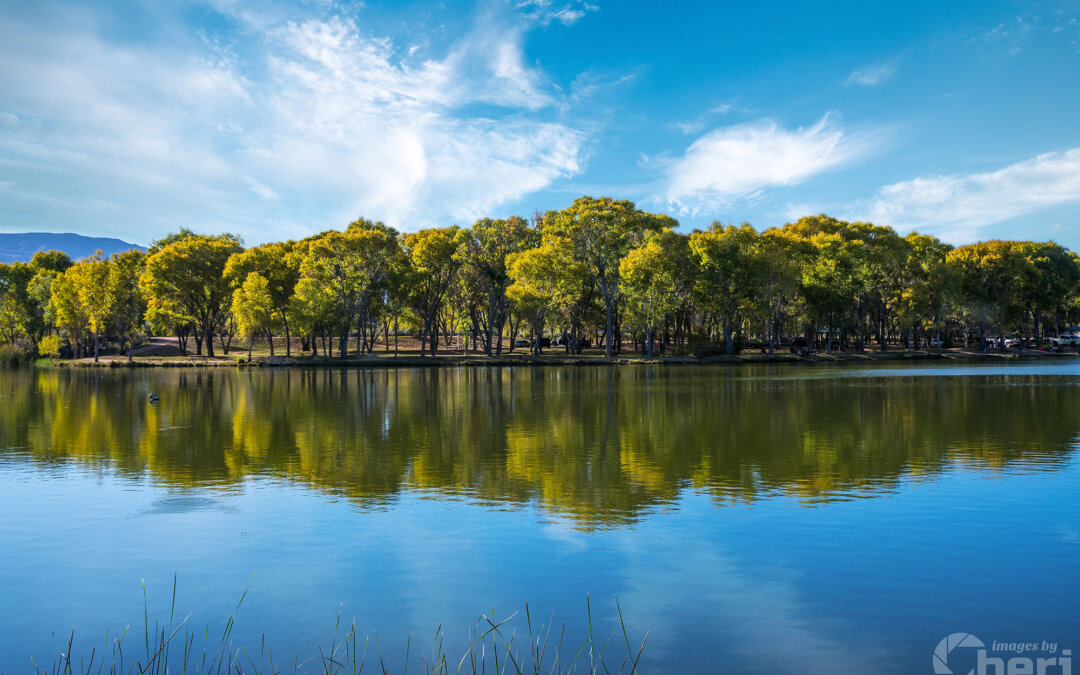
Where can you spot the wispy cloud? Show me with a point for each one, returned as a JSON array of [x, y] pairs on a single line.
[[957, 207], [317, 122], [696, 125], [872, 75], [547, 11], [738, 162]]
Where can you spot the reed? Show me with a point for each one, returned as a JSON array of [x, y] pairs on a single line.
[[493, 646]]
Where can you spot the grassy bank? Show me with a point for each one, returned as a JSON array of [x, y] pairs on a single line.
[[411, 360]]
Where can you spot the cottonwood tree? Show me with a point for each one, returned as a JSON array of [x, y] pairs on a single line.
[[186, 278], [537, 277], [992, 275], [832, 280], [649, 278], [129, 303], [353, 265], [434, 260], [726, 276], [254, 309], [95, 295], [280, 267], [599, 232], [485, 276], [778, 261]]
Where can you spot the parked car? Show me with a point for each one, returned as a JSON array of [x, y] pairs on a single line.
[[932, 342], [1012, 342], [1066, 340], [522, 343]]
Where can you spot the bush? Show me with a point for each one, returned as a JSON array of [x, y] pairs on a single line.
[[13, 357], [49, 346]]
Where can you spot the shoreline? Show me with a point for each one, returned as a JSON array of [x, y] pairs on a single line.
[[559, 360]]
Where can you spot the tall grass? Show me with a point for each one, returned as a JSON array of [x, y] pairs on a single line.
[[170, 647], [13, 357]]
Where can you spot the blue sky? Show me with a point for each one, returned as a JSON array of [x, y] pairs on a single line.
[[276, 120]]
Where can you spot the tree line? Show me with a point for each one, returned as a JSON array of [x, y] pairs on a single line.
[[600, 271]]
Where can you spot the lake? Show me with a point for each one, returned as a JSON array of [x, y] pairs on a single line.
[[770, 518]]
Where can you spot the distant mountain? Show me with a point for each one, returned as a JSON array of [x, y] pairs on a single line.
[[22, 246]]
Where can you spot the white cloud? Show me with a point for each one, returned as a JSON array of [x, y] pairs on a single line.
[[872, 75], [546, 11], [956, 207], [738, 162], [318, 123], [697, 124]]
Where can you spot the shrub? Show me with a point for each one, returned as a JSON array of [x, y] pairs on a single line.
[[13, 357], [49, 346]]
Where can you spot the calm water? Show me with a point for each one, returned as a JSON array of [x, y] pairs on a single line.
[[756, 519]]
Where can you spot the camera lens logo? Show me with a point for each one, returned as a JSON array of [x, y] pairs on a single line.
[[945, 647]]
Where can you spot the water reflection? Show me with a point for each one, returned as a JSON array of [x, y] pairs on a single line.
[[603, 445]]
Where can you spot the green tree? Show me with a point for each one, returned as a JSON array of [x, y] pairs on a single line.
[[599, 232], [254, 308], [353, 265], [1056, 277], [313, 310], [129, 303], [992, 276], [535, 288], [186, 279], [832, 281], [280, 267], [726, 264], [14, 299], [70, 313], [487, 246], [52, 260], [649, 275], [434, 259], [95, 296], [778, 260]]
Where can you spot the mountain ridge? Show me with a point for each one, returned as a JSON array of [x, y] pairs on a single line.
[[21, 246]]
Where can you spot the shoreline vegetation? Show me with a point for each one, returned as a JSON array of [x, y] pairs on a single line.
[[598, 276], [447, 360], [517, 643]]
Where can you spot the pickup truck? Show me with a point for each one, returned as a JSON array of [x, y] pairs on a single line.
[[1066, 340]]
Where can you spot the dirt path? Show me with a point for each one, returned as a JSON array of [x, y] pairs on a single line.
[[158, 346]]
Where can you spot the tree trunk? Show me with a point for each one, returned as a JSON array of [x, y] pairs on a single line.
[[288, 336], [609, 310], [862, 323], [209, 340], [96, 344]]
